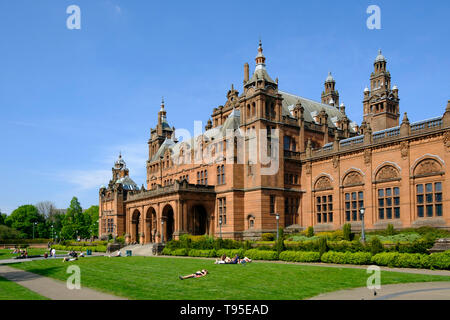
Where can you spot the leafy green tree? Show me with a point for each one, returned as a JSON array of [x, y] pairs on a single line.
[[23, 218], [91, 217], [323, 245], [310, 232], [73, 224], [2, 218]]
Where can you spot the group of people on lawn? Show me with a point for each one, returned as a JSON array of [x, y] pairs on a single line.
[[223, 260]]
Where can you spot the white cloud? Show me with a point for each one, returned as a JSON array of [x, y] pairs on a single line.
[[86, 179], [118, 9]]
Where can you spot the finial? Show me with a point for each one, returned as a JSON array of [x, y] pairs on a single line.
[[405, 118]]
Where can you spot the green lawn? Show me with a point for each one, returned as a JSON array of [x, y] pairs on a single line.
[[6, 253], [157, 278], [12, 291]]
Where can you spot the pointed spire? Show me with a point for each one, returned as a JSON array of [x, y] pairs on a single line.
[[329, 78], [162, 104], [260, 59], [405, 118]]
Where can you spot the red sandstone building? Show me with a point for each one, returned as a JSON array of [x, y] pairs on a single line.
[[305, 160]]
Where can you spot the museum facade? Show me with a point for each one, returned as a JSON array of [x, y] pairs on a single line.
[[267, 156]]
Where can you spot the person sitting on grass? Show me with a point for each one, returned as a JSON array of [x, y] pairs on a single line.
[[198, 274], [222, 259]]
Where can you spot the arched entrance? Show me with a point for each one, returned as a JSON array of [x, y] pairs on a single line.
[[169, 225], [199, 220], [135, 220], [151, 227]]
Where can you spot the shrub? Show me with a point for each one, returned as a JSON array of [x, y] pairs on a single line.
[[267, 237], [323, 245], [439, 260], [347, 231], [346, 257], [300, 256], [279, 245], [202, 253], [261, 254], [376, 246], [310, 232], [390, 231]]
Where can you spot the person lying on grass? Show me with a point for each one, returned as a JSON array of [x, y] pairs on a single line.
[[198, 274]]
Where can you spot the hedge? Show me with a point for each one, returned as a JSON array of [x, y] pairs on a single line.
[[256, 254], [346, 257], [300, 256], [80, 248], [230, 252], [202, 253], [175, 252], [440, 260]]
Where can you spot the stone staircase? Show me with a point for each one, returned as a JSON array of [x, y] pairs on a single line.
[[441, 245], [137, 250]]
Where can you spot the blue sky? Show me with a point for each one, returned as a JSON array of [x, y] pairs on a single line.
[[72, 99]]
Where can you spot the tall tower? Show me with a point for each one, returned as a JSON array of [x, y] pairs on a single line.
[[330, 95], [381, 103], [159, 134]]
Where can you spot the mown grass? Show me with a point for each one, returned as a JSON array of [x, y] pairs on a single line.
[[12, 291], [6, 253], [157, 278]]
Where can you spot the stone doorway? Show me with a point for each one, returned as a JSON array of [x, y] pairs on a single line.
[[169, 225], [199, 222]]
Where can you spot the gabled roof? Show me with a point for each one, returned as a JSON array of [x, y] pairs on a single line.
[[312, 109]]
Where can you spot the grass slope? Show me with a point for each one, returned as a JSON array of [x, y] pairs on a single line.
[[12, 291], [157, 278]]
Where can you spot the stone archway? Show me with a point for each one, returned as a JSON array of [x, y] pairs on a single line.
[[135, 224], [169, 225], [199, 220]]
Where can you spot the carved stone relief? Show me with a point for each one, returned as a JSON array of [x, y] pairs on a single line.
[[353, 178], [323, 183], [428, 166]]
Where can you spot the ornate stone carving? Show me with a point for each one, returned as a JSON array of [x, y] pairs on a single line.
[[308, 168], [335, 162], [367, 157], [428, 167], [353, 178], [387, 173], [446, 139], [323, 183], [404, 149]]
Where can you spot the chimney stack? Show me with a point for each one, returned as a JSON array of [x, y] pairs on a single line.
[[246, 73]]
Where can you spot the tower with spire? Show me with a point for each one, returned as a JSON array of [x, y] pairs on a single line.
[[162, 132], [330, 95], [381, 103]]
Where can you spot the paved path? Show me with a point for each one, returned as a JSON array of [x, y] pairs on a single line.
[[50, 288], [405, 291]]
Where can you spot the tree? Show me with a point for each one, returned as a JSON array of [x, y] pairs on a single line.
[[23, 218], [91, 215], [2, 218], [347, 230], [74, 223], [46, 208]]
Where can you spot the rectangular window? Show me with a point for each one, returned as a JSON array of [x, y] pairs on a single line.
[[389, 203], [272, 204], [222, 209], [353, 203], [324, 205], [429, 199]]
